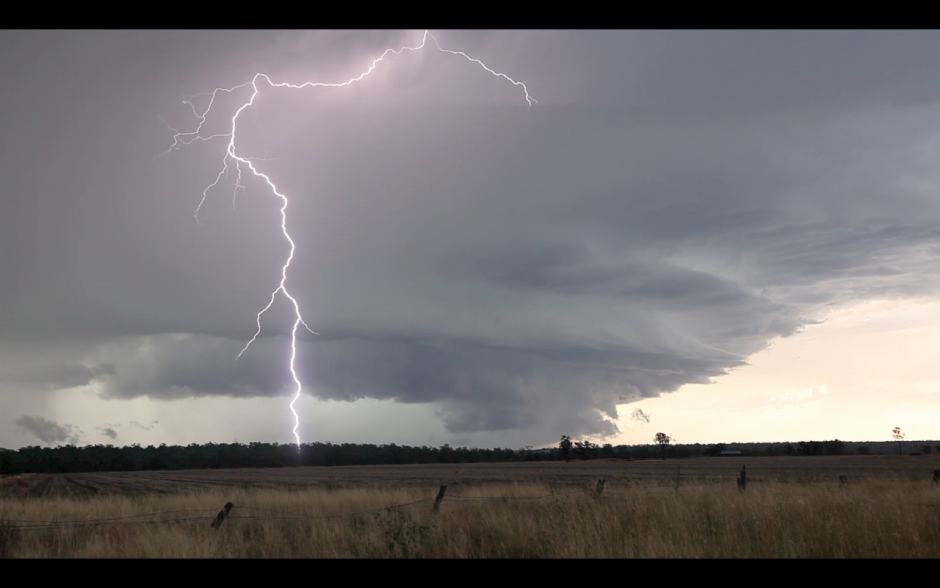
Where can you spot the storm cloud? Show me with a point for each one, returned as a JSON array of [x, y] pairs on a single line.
[[49, 431], [673, 203]]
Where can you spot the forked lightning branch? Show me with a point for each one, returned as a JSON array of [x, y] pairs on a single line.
[[243, 164]]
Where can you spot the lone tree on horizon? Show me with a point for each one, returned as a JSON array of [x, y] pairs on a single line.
[[663, 440], [564, 446], [897, 434]]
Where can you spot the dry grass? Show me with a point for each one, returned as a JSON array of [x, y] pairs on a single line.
[[872, 519]]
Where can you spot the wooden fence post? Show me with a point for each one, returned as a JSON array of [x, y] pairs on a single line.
[[742, 479], [600, 489], [936, 476], [220, 518], [440, 498]]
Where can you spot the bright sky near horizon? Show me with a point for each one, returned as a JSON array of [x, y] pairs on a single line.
[[867, 369]]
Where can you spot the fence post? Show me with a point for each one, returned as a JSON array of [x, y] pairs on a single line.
[[220, 518], [936, 476], [440, 498], [742, 479], [841, 481], [600, 489]]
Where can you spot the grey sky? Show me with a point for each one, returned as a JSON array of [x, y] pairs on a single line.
[[673, 203]]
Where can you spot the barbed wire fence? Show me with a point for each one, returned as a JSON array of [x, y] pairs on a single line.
[[224, 514], [205, 515]]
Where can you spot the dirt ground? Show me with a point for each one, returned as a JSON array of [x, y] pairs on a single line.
[[617, 473]]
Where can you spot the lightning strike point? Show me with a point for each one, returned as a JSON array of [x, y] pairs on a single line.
[[231, 157]]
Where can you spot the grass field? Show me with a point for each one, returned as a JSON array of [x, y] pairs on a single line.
[[888, 508]]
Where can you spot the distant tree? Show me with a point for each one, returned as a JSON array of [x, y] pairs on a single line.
[[591, 449], [663, 440], [810, 448], [585, 449], [445, 454], [897, 434], [835, 447], [863, 450], [565, 447]]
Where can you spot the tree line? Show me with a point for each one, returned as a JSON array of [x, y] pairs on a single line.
[[108, 458]]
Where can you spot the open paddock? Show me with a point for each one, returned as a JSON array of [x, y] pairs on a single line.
[[617, 473]]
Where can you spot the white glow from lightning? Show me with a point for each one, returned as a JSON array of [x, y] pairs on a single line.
[[181, 139]]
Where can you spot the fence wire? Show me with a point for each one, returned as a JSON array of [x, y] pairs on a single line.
[[70, 525], [311, 517], [35, 524], [137, 516], [508, 498]]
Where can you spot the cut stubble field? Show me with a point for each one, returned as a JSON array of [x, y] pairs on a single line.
[[792, 507]]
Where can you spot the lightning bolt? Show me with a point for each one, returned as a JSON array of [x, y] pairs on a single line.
[[242, 163]]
